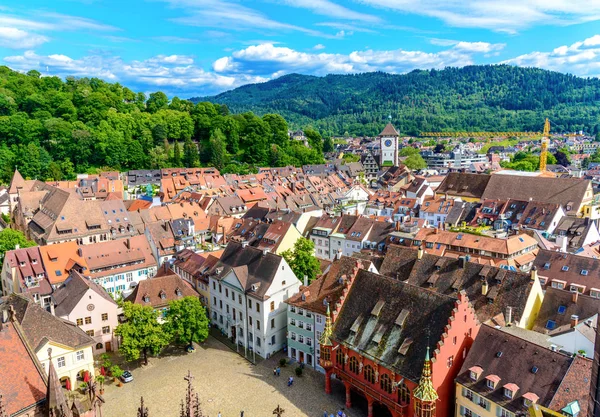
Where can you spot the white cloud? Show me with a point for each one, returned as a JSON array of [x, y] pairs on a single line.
[[318, 47], [175, 74], [331, 9], [225, 14], [172, 59], [580, 58], [19, 39], [17, 32], [265, 60], [499, 15]]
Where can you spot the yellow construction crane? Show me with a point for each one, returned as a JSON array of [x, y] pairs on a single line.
[[544, 150], [477, 134]]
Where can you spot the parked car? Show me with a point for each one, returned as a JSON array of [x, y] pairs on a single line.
[[126, 377]]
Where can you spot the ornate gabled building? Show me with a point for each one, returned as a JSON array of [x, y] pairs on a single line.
[[381, 342]]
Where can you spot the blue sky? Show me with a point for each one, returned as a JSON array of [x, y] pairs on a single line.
[[197, 47]]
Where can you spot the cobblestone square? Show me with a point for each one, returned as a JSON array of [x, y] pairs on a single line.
[[226, 383]]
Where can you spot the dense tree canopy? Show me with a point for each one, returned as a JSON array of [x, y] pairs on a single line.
[[141, 333], [10, 238], [302, 259], [50, 129], [472, 98], [186, 321]]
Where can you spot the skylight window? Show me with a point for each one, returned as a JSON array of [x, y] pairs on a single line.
[[459, 236], [584, 272], [550, 325], [547, 265], [562, 309], [565, 268]]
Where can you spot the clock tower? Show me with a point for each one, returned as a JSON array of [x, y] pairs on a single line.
[[388, 140]]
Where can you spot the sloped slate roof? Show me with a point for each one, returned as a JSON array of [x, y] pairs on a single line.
[[359, 329], [389, 130], [446, 276]]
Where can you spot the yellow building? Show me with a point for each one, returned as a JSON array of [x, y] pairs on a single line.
[[69, 347]]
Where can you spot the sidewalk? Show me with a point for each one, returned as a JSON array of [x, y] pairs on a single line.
[[244, 353]]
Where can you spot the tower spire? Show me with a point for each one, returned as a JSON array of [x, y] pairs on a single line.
[[328, 331], [57, 403], [425, 392]]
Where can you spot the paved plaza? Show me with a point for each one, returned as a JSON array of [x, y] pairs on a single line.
[[226, 383]]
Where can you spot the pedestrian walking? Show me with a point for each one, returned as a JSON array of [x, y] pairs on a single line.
[[219, 415], [325, 414], [278, 369], [274, 371], [242, 413]]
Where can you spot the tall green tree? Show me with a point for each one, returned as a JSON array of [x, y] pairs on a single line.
[[10, 238], [186, 321], [302, 259], [141, 334], [190, 153], [415, 162], [176, 155], [217, 149], [157, 101]]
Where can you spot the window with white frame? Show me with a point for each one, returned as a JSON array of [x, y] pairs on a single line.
[[61, 362], [80, 355]]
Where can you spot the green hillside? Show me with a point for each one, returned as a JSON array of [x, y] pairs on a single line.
[[475, 98], [52, 128]]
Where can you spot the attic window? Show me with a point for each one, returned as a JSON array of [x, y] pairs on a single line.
[[377, 309], [550, 325], [534, 370], [405, 346], [474, 372], [584, 272], [491, 381], [562, 309], [459, 236], [178, 292], [146, 299], [356, 325], [402, 317], [379, 335], [499, 354], [163, 295], [565, 268], [547, 265]]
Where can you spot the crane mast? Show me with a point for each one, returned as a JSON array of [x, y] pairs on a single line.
[[544, 148]]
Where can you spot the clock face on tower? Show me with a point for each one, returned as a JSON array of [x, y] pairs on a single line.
[[388, 143]]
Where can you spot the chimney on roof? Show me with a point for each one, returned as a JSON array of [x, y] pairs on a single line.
[[484, 288], [574, 320], [128, 243], [420, 253], [79, 252], [575, 296], [306, 280], [17, 246], [462, 262], [533, 273], [508, 316]]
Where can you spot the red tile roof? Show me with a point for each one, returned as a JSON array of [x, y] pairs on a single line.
[[22, 384]]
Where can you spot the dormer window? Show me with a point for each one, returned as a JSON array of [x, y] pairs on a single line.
[[474, 372], [491, 381], [146, 299], [178, 292], [163, 295], [510, 390]]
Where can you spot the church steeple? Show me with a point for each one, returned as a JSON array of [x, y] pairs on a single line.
[[328, 331], [57, 403], [425, 395], [325, 360]]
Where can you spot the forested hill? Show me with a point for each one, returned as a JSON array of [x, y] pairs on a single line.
[[475, 98], [50, 129]]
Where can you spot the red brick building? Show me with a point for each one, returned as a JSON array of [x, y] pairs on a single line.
[[398, 345]]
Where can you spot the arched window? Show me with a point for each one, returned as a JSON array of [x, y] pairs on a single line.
[[354, 365], [403, 394], [385, 383], [369, 374], [99, 345], [339, 357]]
